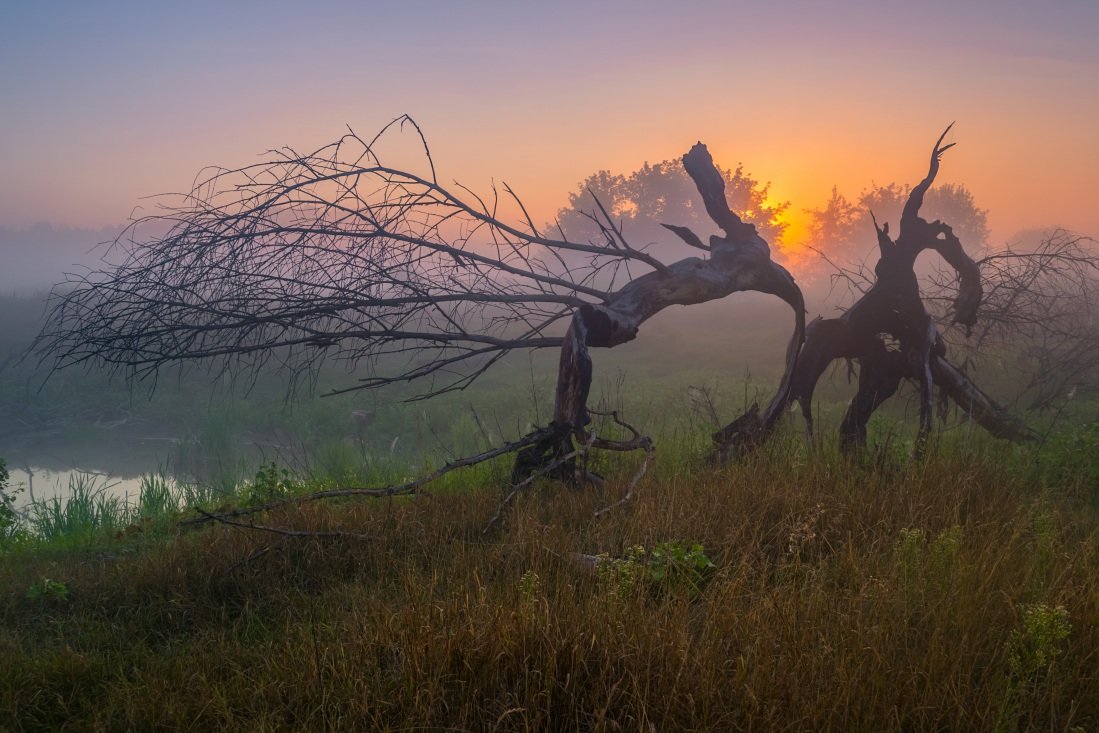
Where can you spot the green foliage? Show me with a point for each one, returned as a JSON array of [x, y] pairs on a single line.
[[270, 484], [197, 494], [1071, 456], [10, 520], [1045, 534], [680, 567], [1033, 649], [943, 552], [87, 509], [46, 590], [926, 568], [1031, 655], [908, 551], [619, 577], [670, 568], [156, 498]]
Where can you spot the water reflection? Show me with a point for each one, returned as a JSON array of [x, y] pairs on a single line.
[[43, 484]]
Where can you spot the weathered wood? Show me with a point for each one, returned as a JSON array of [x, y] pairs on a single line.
[[739, 261], [893, 307], [975, 403]]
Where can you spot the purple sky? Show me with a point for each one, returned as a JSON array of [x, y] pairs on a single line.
[[107, 102]]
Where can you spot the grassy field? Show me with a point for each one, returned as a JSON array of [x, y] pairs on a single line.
[[795, 590]]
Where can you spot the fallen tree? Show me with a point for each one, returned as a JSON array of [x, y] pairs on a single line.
[[336, 255]]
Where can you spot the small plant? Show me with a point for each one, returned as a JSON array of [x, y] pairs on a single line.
[[1031, 653], [679, 566], [192, 494], [530, 586], [908, 552], [1033, 649], [926, 564], [271, 483], [46, 590], [89, 507], [619, 577], [669, 568], [10, 520], [156, 498], [943, 555], [1045, 533]]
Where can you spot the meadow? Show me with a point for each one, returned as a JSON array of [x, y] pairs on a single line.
[[793, 589]]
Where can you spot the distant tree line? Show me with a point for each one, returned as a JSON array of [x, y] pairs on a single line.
[[844, 231], [641, 201]]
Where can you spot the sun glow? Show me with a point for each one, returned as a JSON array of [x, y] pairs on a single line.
[[791, 249], [796, 234]]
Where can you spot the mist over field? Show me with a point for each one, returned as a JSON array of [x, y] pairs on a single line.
[[740, 337], [38, 257]]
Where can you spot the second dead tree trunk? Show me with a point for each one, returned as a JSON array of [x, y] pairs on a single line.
[[889, 332]]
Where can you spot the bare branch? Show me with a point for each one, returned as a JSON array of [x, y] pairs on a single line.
[[335, 255], [281, 531], [405, 489], [329, 255], [1037, 318]]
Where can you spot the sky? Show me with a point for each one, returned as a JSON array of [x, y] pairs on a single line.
[[107, 103]]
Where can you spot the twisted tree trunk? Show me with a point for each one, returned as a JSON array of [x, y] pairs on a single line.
[[740, 260], [893, 310]]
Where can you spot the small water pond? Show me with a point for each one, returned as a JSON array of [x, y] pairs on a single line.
[[43, 484]]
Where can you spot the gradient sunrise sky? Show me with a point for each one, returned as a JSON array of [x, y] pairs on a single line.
[[107, 102]]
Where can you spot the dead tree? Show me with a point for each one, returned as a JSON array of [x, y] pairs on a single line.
[[739, 261], [1037, 319], [890, 334], [336, 255]]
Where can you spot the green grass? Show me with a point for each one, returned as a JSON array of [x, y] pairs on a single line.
[[957, 593]]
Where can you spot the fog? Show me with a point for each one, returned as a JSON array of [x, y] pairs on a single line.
[[198, 424], [37, 258]]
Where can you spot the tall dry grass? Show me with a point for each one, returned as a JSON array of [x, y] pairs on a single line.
[[879, 595]]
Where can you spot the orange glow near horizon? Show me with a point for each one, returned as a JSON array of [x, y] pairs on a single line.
[[793, 247]]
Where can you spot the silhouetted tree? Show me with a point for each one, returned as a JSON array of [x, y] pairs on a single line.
[[890, 334], [642, 201], [834, 230]]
